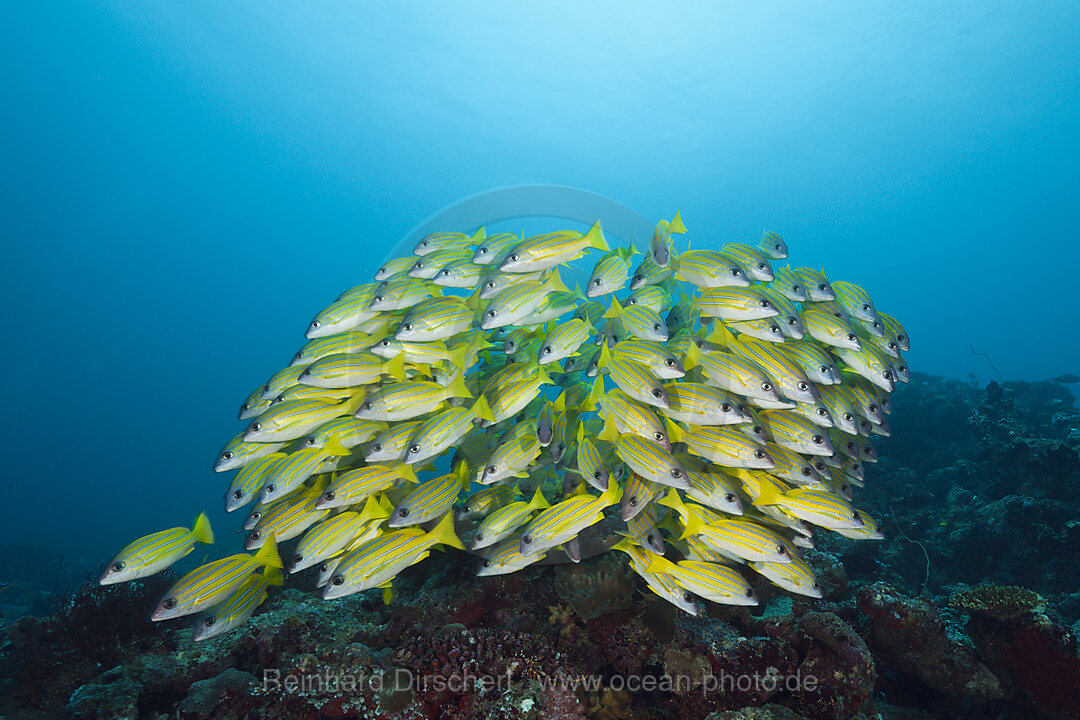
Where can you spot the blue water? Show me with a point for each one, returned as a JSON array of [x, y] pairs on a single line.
[[186, 183]]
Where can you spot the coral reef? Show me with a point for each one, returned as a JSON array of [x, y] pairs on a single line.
[[985, 633]]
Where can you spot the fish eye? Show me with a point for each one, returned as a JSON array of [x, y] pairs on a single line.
[[658, 436], [902, 368], [118, 566], [367, 406], [764, 303], [227, 455], [766, 386], [489, 284], [547, 350], [792, 321], [749, 592], [822, 412], [444, 271], [482, 251], [650, 538], [781, 550], [408, 326], [385, 343], [270, 489], [513, 258], [255, 535], [315, 323], [403, 512], [849, 416], [527, 539], [487, 563], [597, 282], [256, 426], [377, 446], [822, 288], [807, 472], [638, 278], [803, 386], [867, 309], [901, 337], [734, 272], [824, 368], [778, 247], [796, 288], [818, 440], [633, 501], [208, 622], [887, 375], [725, 407], [855, 515], [872, 407], [670, 362], [759, 454], [491, 469], [656, 327], [423, 243], [851, 337], [380, 271], [338, 580], [817, 584], [414, 449], [297, 558], [378, 298], [256, 515], [657, 393], [676, 473], [169, 604], [598, 474], [491, 313], [688, 598], [238, 494]]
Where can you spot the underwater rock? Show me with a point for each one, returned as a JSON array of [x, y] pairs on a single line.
[[596, 587], [115, 694], [205, 699], [839, 661], [909, 634], [1034, 654], [765, 712]]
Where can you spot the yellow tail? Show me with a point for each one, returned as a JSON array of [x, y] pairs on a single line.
[[201, 531]]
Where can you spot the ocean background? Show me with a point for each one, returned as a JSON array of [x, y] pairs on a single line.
[[185, 184]]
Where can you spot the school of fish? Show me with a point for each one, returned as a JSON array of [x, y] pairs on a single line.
[[705, 401]]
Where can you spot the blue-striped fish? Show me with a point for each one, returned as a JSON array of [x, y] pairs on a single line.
[[238, 606], [430, 499], [546, 251], [157, 551], [436, 241], [711, 581], [502, 523], [726, 445], [435, 319], [651, 461], [376, 562], [506, 557], [710, 269], [564, 520], [494, 247], [209, 584]]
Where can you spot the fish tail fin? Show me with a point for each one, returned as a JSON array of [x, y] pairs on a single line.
[[373, 510], [626, 544], [660, 564], [614, 310], [444, 534], [539, 502], [768, 495], [676, 226], [267, 556], [201, 531], [595, 238], [457, 387], [273, 576], [477, 236], [674, 432], [555, 283], [613, 494], [720, 335], [605, 357], [388, 593], [609, 433], [559, 405], [482, 409], [595, 395], [395, 366], [406, 472], [693, 356], [674, 501], [458, 356], [334, 447]]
